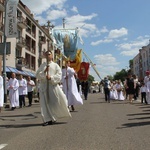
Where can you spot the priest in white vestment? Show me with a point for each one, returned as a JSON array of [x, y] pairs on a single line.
[[13, 86], [70, 86], [1, 93], [53, 101]]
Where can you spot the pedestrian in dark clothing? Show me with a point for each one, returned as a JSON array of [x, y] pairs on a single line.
[[130, 86], [85, 89], [143, 93], [107, 89]]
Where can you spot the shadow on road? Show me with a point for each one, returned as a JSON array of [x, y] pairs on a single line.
[[141, 118], [138, 114], [96, 102], [14, 117], [136, 124], [28, 125]]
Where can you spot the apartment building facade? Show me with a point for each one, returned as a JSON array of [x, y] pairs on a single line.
[[141, 62], [27, 49]]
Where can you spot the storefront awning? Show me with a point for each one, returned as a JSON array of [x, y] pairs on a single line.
[[22, 72], [29, 73], [11, 69]]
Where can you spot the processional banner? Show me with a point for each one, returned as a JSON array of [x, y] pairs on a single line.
[[84, 71], [68, 40], [77, 61]]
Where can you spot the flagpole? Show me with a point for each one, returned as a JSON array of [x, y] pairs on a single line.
[[4, 57], [92, 64]]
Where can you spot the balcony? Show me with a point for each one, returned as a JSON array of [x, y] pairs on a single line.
[[22, 23], [42, 39], [2, 8], [21, 42], [20, 62], [33, 50], [28, 47], [1, 29]]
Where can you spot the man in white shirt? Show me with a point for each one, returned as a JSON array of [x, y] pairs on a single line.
[[30, 85], [22, 91], [147, 77]]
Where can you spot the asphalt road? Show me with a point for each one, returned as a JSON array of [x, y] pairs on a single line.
[[95, 125]]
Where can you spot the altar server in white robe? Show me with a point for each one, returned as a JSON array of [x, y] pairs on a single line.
[[52, 99], [13, 86], [1, 93], [113, 91], [119, 88], [70, 86]]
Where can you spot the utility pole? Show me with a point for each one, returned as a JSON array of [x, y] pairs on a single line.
[[4, 58]]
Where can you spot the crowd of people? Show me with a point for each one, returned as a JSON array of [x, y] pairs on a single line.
[[131, 88], [17, 89], [59, 90]]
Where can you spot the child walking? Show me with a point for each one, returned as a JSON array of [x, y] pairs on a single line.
[[143, 91]]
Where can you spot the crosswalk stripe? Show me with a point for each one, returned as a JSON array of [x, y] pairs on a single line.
[[3, 145]]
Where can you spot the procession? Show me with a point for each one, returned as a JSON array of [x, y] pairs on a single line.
[[74, 78]]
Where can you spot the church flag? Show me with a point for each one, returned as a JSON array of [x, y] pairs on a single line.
[[84, 71], [77, 62], [68, 40]]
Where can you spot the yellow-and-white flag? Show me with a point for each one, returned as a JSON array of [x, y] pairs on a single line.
[[11, 19]]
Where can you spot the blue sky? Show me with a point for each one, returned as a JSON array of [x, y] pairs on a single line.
[[112, 31]]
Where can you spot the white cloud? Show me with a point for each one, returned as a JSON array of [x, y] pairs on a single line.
[[104, 30], [117, 33], [74, 9], [132, 48], [40, 6], [56, 14], [113, 35], [86, 29], [106, 60], [106, 64], [103, 71], [101, 41]]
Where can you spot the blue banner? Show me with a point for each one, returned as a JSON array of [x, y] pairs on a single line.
[[66, 39]]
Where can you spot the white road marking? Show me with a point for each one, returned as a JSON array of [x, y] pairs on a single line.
[[3, 145]]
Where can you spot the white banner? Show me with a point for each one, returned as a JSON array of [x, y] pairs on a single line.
[[11, 19]]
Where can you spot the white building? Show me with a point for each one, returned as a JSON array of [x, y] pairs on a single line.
[[26, 50], [141, 62]]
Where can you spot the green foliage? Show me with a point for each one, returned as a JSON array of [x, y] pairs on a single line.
[[131, 63], [90, 78], [121, 75], [110, 77]]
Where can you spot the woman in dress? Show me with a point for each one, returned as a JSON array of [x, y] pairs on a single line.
[[119, 88], [130, 86]]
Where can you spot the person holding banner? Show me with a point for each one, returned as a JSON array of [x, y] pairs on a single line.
[[70, 86], [53, 101]]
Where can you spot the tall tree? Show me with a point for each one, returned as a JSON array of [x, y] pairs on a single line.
[[121, 75]]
